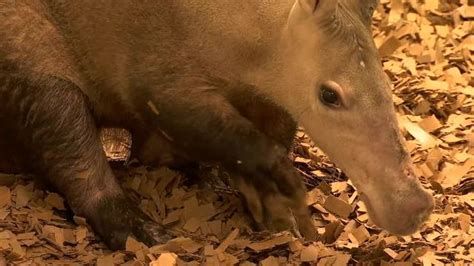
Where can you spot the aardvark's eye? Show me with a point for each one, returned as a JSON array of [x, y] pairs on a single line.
[[329, 96]]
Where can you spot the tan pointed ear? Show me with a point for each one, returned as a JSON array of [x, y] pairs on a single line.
[[318, 6], [367, 8], [371, 6], [313, 11]]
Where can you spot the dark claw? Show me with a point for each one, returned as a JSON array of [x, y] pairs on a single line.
[[118, 218], [271, 209], [153, 234]]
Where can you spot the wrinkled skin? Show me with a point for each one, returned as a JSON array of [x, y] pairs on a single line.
[[224, 82]]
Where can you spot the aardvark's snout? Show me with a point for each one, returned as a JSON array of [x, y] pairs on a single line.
[[407, 217], [402, 207]]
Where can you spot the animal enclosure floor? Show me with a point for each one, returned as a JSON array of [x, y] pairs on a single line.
[[427, 53]]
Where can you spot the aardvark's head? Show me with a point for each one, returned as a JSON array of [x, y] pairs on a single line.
[[342, 97]]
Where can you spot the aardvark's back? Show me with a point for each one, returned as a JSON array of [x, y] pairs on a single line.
[[115, 40]]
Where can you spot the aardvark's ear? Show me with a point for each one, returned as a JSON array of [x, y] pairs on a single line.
[[312, 11], [367, 8], [318, 7]]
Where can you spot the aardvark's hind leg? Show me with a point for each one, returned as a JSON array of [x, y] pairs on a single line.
[[51, 119]]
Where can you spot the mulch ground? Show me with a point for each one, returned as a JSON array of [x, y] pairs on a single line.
[[427, 51]]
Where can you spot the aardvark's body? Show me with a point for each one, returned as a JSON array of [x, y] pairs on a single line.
[[220, 81]]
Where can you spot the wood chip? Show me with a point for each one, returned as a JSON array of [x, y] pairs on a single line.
[[166, 259], [309, 254], [273, 242], [55, 201], [338, 207]]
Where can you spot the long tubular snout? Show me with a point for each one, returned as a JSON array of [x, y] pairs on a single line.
[[400, 206]]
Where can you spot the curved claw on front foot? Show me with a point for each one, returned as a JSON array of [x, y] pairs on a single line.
[[276, 211], [153, 234], [117, 218]]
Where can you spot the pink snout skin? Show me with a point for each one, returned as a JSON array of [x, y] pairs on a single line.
[[403, 213], [418, 210]]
